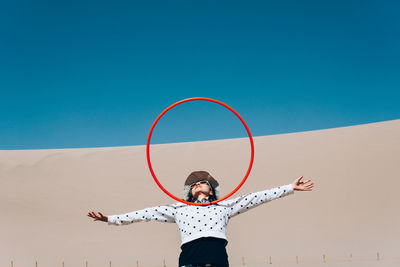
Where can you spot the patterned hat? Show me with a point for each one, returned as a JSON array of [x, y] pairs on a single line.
[[197, 176]]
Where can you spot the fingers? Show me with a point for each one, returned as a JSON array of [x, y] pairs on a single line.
[[305, 186], [308, 187], [297, 181], [94, 215], [305, 182]]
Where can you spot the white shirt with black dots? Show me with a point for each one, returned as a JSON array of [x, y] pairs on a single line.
[[202, 221]]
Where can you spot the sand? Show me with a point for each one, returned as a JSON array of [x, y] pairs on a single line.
[[45, 196]]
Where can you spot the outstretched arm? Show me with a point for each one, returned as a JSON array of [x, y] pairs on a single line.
[[244, 203], [160, 213]]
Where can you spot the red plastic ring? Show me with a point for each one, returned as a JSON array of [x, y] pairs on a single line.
[[148, 150]]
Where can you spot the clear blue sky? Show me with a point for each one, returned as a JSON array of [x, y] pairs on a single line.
[[97, 73]]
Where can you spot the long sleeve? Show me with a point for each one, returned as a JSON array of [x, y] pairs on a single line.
[[160, 213], [246, 202]]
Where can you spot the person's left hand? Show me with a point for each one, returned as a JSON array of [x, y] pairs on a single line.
[[302, 186]]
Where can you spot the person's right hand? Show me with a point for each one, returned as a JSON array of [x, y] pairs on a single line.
[[100, 217]]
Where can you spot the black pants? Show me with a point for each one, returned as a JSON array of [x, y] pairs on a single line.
[[203, 251]]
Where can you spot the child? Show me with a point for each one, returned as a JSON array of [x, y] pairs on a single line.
[[202, 228]]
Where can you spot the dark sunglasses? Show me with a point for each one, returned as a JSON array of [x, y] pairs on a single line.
[[200, 182]]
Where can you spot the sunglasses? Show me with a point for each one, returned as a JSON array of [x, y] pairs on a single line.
[[199, 182]]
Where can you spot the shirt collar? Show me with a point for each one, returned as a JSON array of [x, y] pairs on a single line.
[[204, 200]]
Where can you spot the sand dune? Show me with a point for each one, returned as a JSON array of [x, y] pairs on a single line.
[[354, 207]]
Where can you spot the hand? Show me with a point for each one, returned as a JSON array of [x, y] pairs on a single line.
[[97, 217], [302, 186]]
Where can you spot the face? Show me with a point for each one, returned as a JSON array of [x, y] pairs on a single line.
[[201, 187]]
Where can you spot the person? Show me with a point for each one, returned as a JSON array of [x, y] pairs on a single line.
[[203, 228]]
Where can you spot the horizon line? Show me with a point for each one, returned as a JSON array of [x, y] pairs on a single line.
[[209, 140]]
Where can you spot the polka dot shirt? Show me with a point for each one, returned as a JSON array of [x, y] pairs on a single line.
[[202, 221]]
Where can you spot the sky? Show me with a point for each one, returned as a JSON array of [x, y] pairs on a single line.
[[77, 74]]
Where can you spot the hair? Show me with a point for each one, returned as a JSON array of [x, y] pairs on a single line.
[[212, 197]]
